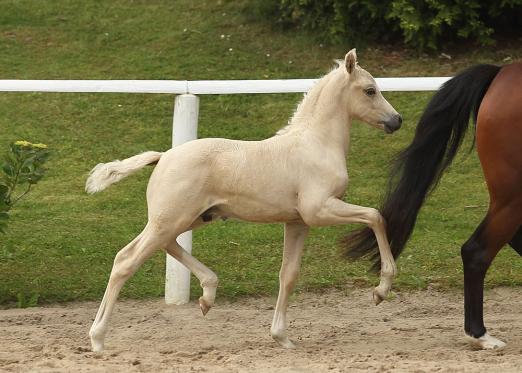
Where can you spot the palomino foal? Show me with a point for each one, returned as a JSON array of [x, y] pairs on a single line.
[[297, 177]]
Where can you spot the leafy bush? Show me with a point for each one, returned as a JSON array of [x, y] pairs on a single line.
[[420, 24], [23, 165]]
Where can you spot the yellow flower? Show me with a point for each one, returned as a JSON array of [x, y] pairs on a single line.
[[27, 144], [22, 143]]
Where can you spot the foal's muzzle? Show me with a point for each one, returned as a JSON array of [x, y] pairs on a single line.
[[393, 124]]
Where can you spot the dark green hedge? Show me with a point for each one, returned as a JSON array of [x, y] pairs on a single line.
[[420, 24]]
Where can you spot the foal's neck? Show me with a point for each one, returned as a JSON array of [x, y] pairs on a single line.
[[321, 114], [329, 119]]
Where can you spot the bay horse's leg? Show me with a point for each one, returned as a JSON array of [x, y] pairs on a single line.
[[499, 125], [497, 228], [335, 211], [207, 279], [516, 241], [295, 235], [126, 263]]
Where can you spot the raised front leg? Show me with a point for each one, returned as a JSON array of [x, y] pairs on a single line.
[[334, 211], [295, 235]]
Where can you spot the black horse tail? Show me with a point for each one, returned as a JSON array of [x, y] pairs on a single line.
[[418, 168]]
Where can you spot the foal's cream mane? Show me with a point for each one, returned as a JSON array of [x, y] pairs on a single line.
[[307, 106]]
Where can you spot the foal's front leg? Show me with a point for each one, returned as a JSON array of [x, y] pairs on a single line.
[[334, 211], [295, 235]]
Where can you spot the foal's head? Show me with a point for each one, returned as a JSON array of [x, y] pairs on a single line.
[[364, 99]]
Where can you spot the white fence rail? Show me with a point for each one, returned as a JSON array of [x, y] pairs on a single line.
[[202, 87], [185, 122]]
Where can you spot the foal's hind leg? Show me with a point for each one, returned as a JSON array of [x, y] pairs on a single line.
[[295, 235], [126, 263], [478, 253], [207, 279]]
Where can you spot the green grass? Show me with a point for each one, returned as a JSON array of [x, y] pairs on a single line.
[[61, 242]]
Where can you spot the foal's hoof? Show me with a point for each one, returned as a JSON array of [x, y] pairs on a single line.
[[378, 296], [486, 342], [97, 340], [204, 306], [97, 345], [284, 341]]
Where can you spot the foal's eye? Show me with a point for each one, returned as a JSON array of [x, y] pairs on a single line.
[[370, 91]]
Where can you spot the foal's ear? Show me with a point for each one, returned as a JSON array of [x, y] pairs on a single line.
[[350, 60]]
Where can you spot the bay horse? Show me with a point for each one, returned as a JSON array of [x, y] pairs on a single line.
[[492, 95], [297, 177]]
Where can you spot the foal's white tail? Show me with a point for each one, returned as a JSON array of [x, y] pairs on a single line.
[[106, 174]]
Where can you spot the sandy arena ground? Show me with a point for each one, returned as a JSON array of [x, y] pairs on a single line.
[[335, 332]]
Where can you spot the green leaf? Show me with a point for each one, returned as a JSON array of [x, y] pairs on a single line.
[[34, 179], [4, 189], [29, 162], [4, 206], [8, 169], [27, 169], [23, 179]]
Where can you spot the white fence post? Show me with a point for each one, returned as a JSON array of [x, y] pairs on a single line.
[[184, 128]]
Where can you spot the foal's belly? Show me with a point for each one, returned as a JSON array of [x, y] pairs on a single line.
[[257, 211]]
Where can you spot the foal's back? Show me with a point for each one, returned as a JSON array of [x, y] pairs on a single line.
[[250, 180]]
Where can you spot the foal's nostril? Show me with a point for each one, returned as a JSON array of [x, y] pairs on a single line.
[[393, 124]]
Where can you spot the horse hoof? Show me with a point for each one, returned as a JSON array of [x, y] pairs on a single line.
[[378, 297], [486, 342], [285, 342], [97, 343], [204, 306]]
